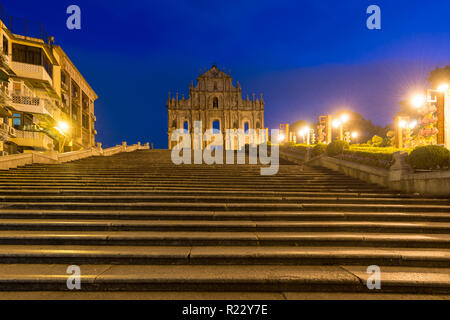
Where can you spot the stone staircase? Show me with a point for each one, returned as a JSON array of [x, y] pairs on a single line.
[[138, 225]]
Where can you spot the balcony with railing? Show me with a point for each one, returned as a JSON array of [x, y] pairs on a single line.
[[32, 105], [33, 139], [32, 71]]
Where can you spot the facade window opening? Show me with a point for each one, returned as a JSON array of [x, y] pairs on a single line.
[[216, 126], [246, 127], [215, 103], [5, 46], [215, 85], [186, 127], [258, 126]]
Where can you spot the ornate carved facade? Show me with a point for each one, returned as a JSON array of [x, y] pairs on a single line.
[[217, 103]]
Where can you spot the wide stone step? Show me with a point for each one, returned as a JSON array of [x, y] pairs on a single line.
[[207, 215], [267, 278], [127, 188], [221, 198], [197, 192], [225, 206], [232, 226], [175, 238], [227, 255]]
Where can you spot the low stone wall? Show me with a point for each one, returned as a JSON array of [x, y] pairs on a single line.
[[22, 159], [399, 177]]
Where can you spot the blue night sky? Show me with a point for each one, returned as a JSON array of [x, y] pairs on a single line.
[[306, 57]]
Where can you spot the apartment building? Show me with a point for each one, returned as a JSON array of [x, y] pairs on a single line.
[[45, 103]]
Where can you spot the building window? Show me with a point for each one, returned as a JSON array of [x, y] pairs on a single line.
[[17, 120], [246, 127], [26, 54], [186, 127], [85, 121], [31, 55], [85, 102], [47, 65], [75, 91], [258, 126], [63, 78], [5, 46], [215, 103], [215, 85]]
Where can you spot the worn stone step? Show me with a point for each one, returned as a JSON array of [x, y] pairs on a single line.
[[208, 215], [197, 191], [224, 278], [177, 238], [225, 206], [226, 255], [224, 225], [220, 198], [213, 295]]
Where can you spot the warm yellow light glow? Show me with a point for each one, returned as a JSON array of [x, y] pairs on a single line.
[[402, 123], [63, 125], [336, 123], [418, 101], [354, 134], [281, 137], [412, 124], [344, 118], [443, 87]]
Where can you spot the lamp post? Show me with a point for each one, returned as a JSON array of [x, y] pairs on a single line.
[[435, 107], [339, 123], [305, 134]]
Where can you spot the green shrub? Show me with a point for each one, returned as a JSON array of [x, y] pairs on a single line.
[[319, 149], [374, 159], [336, 147], [376, 141], [429, 157]]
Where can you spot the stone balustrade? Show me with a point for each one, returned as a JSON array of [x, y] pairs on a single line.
[[22, 159], [398, 177]]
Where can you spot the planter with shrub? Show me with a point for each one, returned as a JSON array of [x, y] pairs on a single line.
[[319, 149], [336, 147], [429, 157]]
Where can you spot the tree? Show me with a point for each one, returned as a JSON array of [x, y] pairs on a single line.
[[439, 76]]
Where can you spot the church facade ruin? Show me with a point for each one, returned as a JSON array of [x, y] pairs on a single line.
[[217, 103]]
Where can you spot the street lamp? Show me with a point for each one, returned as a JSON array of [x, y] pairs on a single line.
[[305, 131], [443, 87], [418, 100], [339, 123], [62, 128], [412, 124]]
